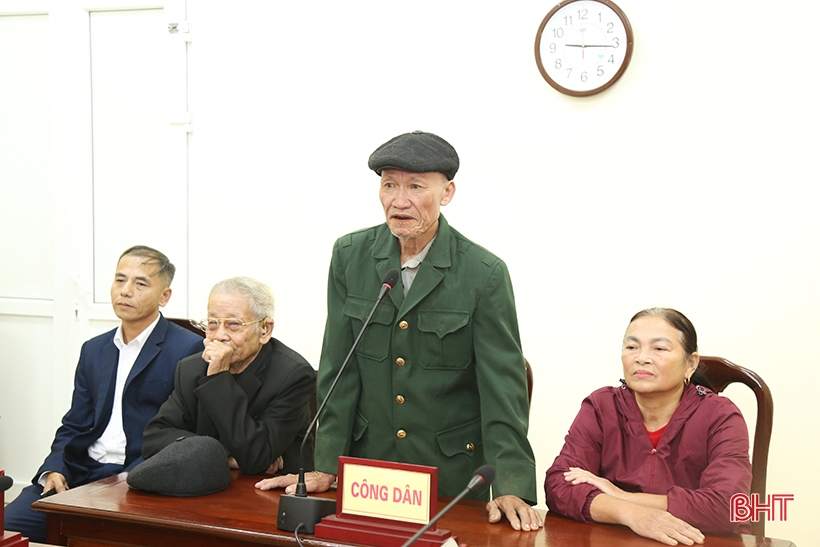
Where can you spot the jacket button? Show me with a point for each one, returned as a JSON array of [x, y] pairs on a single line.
[[400, 399], [403, 325], [400, 362], [401, 434], [470, 447]]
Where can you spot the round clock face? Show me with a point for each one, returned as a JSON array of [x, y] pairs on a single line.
[[583, 46]]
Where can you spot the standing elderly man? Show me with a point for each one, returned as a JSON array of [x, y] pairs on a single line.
[[247, 389], [121, 380], [439, 377]]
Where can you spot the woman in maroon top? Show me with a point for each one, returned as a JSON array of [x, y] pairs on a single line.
[[661, 454]]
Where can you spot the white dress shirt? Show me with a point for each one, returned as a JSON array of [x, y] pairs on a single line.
[[110, 447]]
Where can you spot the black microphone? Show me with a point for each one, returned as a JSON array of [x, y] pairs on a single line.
[[389, 281], [300, 509], [6, 482], [484, 475]]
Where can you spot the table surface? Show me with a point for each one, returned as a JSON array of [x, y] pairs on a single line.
[[109, 512]]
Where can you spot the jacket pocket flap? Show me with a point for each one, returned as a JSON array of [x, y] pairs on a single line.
[[442, 322], [462, 439], [358, 308]]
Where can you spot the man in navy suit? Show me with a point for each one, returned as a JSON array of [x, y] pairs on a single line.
[[122, 379]]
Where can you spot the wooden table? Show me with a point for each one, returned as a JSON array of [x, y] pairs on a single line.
[[108, 513]]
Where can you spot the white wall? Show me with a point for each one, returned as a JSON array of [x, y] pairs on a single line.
[[692, 183]]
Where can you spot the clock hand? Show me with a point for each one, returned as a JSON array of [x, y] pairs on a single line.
[[586, 45]]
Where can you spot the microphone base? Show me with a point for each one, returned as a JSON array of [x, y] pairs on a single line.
[[306, 510]]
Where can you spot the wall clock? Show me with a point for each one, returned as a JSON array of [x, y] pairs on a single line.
[[583, 46]]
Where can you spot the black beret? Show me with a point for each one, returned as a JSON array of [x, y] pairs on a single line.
[[416, 152], [191, 466]]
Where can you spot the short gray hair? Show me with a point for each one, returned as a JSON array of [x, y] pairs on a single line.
[[259, 295]]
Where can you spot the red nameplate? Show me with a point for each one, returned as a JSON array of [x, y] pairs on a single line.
[[383, 504]]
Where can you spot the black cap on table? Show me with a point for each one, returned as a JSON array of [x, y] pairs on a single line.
[[191, 466]]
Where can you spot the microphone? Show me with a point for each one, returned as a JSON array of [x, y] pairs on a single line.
[[5, 483], [388, 282], [299, 508], [484, 475]]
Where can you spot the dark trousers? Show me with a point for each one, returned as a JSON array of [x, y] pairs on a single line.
[[20, 517]]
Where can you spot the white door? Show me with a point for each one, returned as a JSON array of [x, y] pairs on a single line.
[[93, 159]]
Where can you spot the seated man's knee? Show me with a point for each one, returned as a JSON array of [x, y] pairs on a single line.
[[20, 517]]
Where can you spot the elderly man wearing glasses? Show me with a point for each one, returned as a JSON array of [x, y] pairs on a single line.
[[247, 389]]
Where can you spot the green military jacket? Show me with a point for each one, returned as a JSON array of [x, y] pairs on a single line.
[[439, 377]]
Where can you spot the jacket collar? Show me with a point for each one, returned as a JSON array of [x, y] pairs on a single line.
[[689, 404], [250, 379], [387, 253], [110, 360], [149, 350]]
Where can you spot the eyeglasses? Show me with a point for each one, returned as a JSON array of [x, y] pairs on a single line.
[[231, 324]]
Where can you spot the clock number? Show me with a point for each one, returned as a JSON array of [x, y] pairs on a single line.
[[592, 36]]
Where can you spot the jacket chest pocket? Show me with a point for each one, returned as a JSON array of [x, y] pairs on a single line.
[[375, 342], [445, 339]]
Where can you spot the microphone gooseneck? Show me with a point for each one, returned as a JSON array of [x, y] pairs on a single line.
[[484, 475], [388, 282]]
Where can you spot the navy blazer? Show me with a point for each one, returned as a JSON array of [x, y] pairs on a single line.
[[149, 384]]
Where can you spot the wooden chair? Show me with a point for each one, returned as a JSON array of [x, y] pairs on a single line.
[[186, 324], [529, 381], [720, 373]]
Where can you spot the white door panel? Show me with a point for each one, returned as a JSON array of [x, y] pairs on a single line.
[[26, 220], [92, 161]]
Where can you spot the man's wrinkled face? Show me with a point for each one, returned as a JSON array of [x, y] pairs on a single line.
[[248, 341], [412, 201]]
